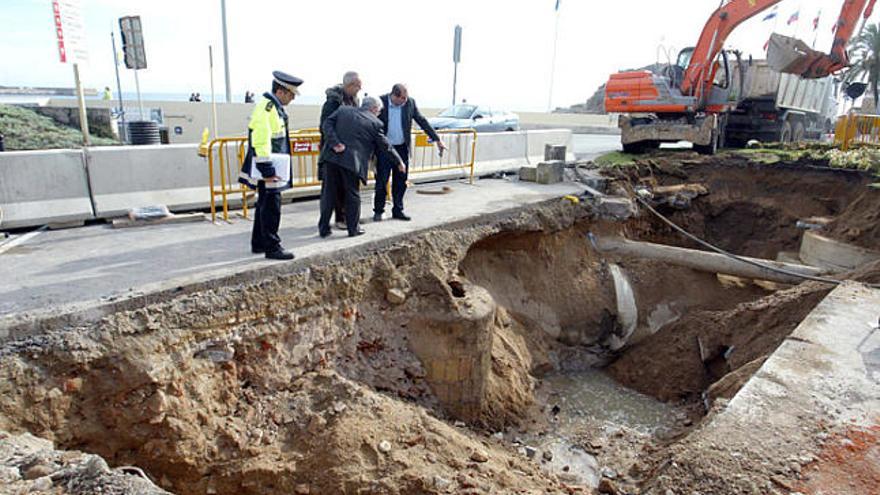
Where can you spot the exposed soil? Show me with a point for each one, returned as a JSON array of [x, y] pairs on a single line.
[[404, 369], [848, 462], [670, 364], [751, 209], [859, 223]]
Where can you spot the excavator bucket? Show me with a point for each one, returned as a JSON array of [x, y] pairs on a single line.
[[793, 56]]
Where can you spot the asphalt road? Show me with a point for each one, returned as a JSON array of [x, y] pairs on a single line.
[[589, 146]]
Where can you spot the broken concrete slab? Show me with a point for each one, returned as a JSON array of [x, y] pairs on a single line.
[[615, 208]]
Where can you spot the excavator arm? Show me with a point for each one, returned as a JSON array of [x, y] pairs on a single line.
[[698, 75]]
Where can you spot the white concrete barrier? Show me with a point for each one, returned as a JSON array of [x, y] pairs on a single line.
[[124, 177], [40, 187]]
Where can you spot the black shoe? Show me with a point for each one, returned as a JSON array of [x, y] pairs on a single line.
[[377, 217], [325, 234], [280, 255], [401, 216], [359, 231], [256, 250]]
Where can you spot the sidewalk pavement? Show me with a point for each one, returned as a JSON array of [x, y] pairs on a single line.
[[88, 265]]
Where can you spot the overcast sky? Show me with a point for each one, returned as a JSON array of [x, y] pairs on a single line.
[[506, 54]]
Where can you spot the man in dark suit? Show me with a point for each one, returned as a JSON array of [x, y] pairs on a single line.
[[345, 94], [397, 115], [351, 137]]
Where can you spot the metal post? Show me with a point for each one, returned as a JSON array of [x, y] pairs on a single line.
[[225, 52], [213, 99], [137, 85], [454, 82], [553, 63], [456, 58], [81, 100], [123, 133]]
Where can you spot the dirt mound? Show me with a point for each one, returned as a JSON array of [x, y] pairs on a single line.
[[859, 223], [751, 209], [684, 358]]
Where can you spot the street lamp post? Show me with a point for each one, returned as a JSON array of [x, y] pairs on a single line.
[[225, 52]]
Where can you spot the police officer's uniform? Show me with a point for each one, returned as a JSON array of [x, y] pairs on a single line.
[[268, 155]]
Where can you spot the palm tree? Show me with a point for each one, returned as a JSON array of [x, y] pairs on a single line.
[[864, 52]]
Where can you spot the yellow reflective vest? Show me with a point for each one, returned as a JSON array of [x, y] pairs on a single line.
[[268, 135]]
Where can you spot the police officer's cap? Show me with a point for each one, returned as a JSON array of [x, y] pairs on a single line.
[[289, 82]]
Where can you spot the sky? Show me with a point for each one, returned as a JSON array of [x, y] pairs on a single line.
[[507, 45]]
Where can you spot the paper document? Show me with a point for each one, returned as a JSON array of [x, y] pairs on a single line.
[[281, 162]]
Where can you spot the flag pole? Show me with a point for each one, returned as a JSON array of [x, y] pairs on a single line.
[[553, 63]]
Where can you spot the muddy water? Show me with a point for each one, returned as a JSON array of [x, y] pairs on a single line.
[[587, 408], [597, 396]]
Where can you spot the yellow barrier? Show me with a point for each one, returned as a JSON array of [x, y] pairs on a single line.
[[226, 154], [856, 128]]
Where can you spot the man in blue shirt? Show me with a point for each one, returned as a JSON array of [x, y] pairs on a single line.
[[398, 113]]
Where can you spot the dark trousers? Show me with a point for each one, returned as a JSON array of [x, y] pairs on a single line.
[[387, 167], [339, 207], [267, 219], [339, 181]]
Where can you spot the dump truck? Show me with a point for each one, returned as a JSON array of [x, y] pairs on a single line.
[[692, 99], [780, 107]]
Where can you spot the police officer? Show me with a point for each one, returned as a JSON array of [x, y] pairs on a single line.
[[266, 166]]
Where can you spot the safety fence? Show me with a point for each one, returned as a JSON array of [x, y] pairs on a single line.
[[856, 128], [226, 154]]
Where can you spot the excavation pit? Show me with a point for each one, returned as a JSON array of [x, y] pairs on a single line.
[[493, 355]]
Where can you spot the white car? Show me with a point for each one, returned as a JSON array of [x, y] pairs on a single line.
[[479, 118]]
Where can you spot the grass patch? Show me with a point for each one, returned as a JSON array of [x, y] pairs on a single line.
[[615, 159], [25, 129]]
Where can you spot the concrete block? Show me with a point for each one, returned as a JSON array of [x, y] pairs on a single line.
[[528, 174], [554, 152], [40, 187], [551, 172], [615, 208]]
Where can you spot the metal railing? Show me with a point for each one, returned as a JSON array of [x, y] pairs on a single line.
[[856, 128], [226, 154]]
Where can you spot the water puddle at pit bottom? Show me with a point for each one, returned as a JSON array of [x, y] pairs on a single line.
[[590, 407]]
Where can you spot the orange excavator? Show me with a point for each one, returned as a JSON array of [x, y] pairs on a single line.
[[689, 100]]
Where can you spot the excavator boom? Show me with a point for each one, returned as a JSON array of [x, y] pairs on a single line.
[[722, 22]]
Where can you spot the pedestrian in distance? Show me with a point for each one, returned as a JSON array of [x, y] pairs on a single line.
[[398, 113], [345, 94], [351, 137], [266, 166]]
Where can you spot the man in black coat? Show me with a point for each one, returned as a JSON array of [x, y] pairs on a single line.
[[351, 137], [344, 94], [398, 113]]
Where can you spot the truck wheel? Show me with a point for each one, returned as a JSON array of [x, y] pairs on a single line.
[[785, 133], [708, 149], [636, 148], [798, 133]]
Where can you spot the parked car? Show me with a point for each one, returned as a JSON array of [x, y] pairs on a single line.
[[480, 118]]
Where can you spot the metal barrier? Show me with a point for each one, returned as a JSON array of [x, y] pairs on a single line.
[[856, 128], [305, 149]]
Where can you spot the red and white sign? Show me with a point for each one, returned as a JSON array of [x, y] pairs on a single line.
[[70, 30], [302, 146]]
